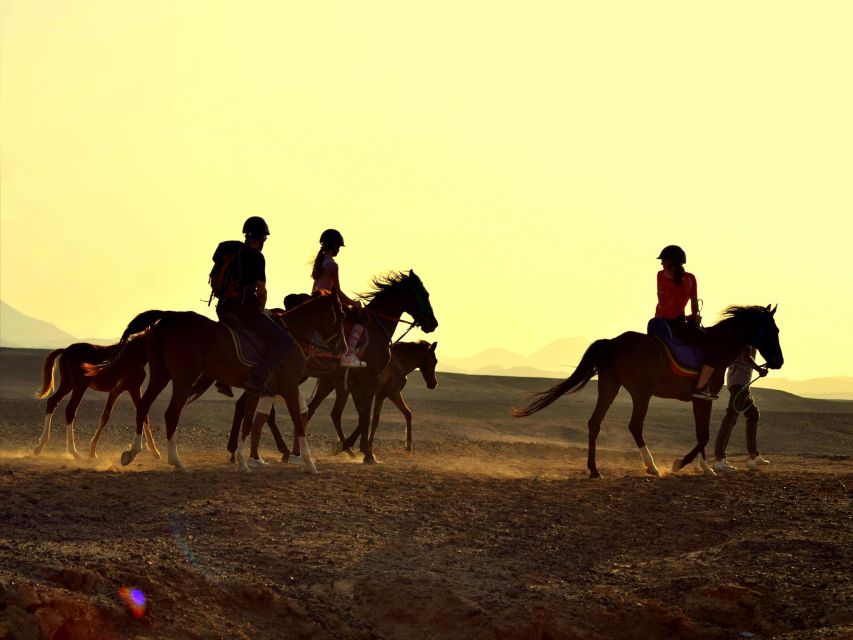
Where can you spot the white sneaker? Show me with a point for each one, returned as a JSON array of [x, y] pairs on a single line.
[[350, 361], [295, 459], [724, 466], [260, 462], [753, 464]]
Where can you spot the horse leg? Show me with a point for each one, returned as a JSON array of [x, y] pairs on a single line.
[[397, 399], [341, 396], [156, 383], [291, 399], [250, 419], [374, 421], [607, 390], [239, 412], [181, 389], [321, 392], [280, 444], [105, 416], [54, 399], [70, 414], [146, 425], [635, 426], [702, 419]]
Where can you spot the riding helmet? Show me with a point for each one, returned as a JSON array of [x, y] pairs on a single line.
[[256, 227], [674, 254], [332, 238]]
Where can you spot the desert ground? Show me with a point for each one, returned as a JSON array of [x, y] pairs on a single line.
[[491, 529]]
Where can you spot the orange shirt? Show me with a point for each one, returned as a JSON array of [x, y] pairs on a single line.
[[673, 298]]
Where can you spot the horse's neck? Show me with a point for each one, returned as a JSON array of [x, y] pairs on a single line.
[[300, 319], [390, 311], [406, 359], [733, 336]]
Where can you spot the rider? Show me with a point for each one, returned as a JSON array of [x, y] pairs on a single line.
[[325, 275], [675, 288], [248, 305]]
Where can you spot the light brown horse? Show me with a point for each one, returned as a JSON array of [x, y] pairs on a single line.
[[184, 345], [127, 375]]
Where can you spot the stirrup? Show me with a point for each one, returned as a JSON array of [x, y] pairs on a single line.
[[704, 394]]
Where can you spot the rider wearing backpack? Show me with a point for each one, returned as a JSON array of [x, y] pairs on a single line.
[[238, 281]]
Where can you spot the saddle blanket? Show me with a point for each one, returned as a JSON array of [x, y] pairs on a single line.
[[684, 359]]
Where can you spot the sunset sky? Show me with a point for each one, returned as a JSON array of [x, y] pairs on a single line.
[[528, 160]]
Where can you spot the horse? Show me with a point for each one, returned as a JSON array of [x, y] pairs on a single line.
[[641, 364], [405, 358], [392, 295], [128, 375], [183, 345]]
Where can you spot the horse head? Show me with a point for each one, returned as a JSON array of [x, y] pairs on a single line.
[[418, 305], [428, 363], [766, 338]]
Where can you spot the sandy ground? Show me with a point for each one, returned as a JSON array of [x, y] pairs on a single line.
[[491, 530], [479, 540]]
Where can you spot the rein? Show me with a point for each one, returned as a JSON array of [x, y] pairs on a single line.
[[390, 336]]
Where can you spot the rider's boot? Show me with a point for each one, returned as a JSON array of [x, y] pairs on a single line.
[[702, 391]]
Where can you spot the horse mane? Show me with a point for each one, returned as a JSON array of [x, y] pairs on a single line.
[[735, 312], [389, 281], [412, 344]]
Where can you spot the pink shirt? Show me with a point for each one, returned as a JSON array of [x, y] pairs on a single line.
[[326, 280], [673, 298]]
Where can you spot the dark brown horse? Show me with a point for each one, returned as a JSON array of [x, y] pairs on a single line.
[[405, 358], [392, 295], [184, 345], [640, 363], [127, 375]]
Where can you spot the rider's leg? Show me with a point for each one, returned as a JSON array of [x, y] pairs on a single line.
[[349, 359], [279, 344]]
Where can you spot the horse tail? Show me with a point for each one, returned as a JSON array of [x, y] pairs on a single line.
[[586, 369], [47, 373], [143, 322], [201, 385]]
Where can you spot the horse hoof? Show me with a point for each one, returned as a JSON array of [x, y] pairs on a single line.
[[676, 465], [232, 459], [74, 454], [654, 471], [708, 472], [369, 458], [337, 447], [594, 475], [126, 458], [350, 452]]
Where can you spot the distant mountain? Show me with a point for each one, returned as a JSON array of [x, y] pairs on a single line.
[[558, 359], [839, 387], [555, 360], [20, 330]]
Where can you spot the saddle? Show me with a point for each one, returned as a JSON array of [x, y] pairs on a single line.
[[249, 345], [684, 359], [353, 317]]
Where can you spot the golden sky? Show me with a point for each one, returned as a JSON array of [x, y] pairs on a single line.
[[529, 160]]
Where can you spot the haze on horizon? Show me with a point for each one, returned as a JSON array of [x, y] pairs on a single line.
[[528, 161]]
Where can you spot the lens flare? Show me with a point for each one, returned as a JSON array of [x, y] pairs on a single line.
[[135, 600]]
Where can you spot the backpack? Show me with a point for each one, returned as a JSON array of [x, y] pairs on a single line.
[[226, 275]]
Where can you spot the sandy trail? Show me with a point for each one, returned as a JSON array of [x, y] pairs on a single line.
[[465, 540]]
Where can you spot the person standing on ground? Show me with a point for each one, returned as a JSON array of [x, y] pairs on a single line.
[[738, 378]]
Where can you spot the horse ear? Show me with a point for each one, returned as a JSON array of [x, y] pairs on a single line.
[[411, 272], [767, 308], [433, 346], [773, 311]]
